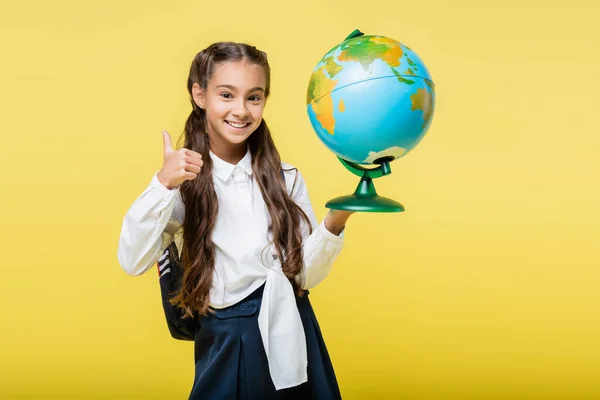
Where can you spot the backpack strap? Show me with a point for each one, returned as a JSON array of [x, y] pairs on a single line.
[[170, 275]]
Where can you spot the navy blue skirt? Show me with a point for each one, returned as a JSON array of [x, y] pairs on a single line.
[[231, 362]]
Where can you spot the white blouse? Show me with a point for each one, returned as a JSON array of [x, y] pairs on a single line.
[[244, 260]]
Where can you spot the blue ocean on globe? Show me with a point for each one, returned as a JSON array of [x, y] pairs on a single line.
[[370, 98]]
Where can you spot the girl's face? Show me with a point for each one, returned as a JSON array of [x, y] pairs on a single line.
[[234, 102]]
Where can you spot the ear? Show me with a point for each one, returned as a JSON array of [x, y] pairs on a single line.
[[198, 95]]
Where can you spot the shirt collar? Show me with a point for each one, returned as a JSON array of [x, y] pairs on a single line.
[[223, 169]]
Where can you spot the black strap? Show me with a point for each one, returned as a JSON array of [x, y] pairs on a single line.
[[170, 275]]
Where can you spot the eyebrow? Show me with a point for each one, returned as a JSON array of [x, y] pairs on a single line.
[[258, 88]]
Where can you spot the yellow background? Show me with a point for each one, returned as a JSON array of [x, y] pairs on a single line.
[[487, 287]]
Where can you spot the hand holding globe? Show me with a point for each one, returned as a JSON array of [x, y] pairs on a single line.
[[370, 101]]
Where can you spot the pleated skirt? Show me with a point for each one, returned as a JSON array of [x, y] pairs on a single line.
[[231, 362]]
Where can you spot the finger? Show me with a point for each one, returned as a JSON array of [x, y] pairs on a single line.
[[193, 154], [193, 168], [188, 176], [167, 141], [193, 160]]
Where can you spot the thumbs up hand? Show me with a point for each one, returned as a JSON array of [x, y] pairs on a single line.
[[178, 165]]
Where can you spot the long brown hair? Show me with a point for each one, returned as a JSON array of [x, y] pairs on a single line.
[[200, 198]]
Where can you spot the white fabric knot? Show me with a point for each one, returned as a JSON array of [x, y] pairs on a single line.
[[280, 327]]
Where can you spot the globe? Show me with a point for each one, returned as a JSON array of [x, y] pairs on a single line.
[[370, 100]]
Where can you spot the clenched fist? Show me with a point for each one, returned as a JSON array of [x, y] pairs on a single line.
[[179, 165]]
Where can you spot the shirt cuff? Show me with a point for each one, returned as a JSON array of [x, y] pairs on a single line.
[[155, 183], [159, 193], [331, 236]]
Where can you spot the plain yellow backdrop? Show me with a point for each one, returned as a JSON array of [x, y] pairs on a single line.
[[487, 287]]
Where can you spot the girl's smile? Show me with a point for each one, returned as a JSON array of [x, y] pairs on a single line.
[[237, 125]]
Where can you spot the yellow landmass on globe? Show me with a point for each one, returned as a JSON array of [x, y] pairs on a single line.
[[322, 82], [319, 92], [332, 67], [324, 112], [423, 100], [395, 151], [368, 49], [392, 54], [322, 86], [341, 105]]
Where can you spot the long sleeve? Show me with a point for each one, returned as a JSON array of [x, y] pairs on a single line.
[[148, 227], [321, 247]]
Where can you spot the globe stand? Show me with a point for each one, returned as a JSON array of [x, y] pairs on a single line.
[[365, 197]]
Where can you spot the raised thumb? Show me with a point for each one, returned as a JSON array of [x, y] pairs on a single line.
[[167, 141]]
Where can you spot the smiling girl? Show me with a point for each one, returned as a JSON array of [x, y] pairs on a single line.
[[248, 237]]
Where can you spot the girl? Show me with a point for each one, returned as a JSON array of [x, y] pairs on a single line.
[[249, 241]]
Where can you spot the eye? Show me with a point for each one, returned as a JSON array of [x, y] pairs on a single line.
[[226, 95], [254, 98]]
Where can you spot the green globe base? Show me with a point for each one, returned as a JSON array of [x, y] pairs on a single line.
[[365, 199]]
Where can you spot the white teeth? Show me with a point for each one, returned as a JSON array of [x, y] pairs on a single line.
[[236, 125]]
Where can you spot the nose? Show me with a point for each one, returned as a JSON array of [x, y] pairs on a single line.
[[241, 110]]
